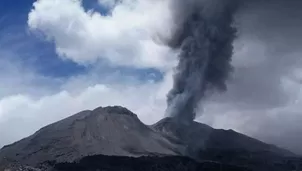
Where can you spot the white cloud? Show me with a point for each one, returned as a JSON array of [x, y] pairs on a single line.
[[128, 36]]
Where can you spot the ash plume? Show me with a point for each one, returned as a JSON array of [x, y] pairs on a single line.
[[204, 35]]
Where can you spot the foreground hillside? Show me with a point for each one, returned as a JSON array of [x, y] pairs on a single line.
[[100, 162], [123, 163], [119, 163]]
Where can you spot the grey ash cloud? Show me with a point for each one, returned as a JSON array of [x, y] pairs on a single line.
[[205, 39], [264, 85]]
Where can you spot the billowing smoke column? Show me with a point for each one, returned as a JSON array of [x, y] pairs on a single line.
[[205, 37]]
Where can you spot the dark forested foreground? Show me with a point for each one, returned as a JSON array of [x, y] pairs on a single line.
[[101, 162], [167, 163], [111, 163]]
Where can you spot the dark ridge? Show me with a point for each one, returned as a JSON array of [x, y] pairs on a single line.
[[170, 163]]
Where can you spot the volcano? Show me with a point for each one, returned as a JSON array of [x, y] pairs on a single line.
[[116, 131], [203, 142], [200, 137]]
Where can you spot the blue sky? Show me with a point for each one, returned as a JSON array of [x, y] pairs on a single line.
[[41, 54]]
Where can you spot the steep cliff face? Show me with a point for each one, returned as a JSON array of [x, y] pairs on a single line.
[[108, 131]]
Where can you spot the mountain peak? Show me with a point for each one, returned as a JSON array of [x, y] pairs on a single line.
[[114, 110]]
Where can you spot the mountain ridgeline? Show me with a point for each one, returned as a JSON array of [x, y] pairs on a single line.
[[113, 138]]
